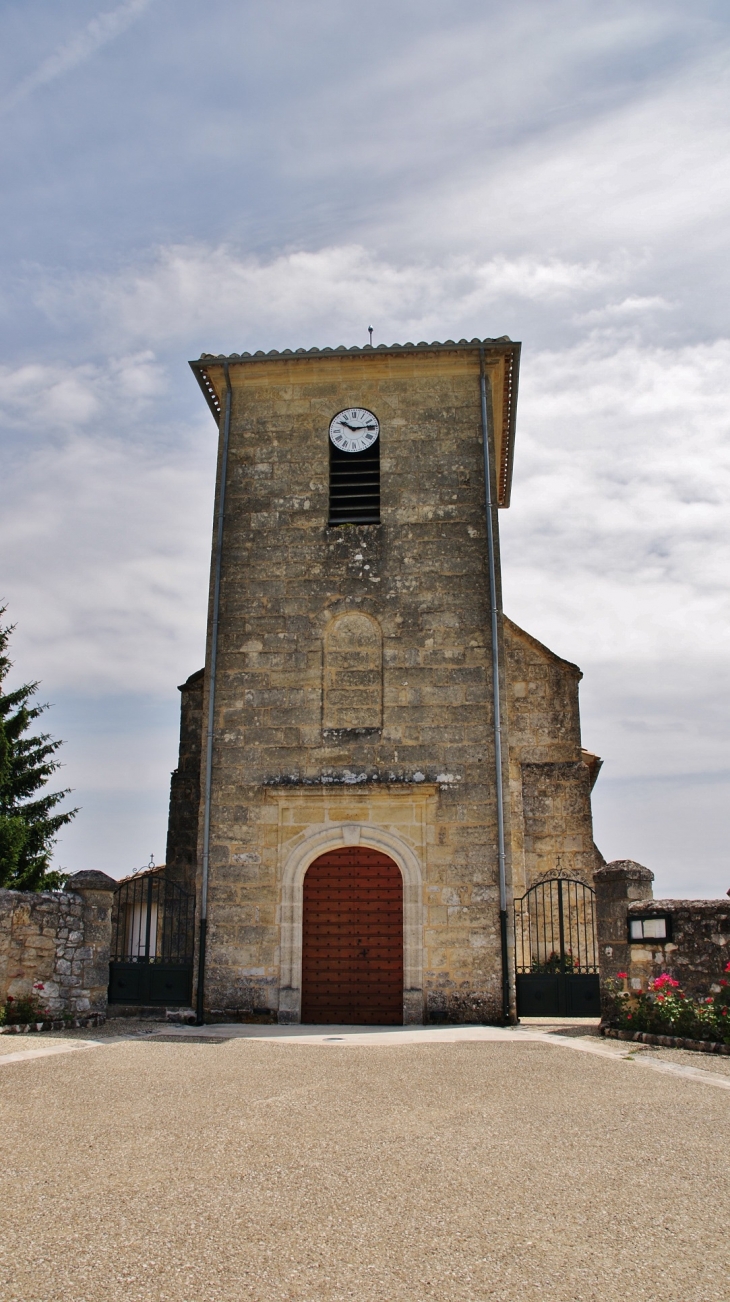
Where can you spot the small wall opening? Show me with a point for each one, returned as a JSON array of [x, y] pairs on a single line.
[[355, 485]]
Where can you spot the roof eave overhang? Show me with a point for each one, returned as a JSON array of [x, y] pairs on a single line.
[[505, 347]]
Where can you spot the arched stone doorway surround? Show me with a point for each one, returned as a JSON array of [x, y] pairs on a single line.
[[333, 837]]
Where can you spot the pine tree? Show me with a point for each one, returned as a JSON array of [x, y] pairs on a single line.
[[28, 828]]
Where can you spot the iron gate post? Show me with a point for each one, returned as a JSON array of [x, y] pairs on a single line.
[[561, 941], [148, 925]]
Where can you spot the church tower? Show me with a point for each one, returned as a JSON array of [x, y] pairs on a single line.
[[384, 758]]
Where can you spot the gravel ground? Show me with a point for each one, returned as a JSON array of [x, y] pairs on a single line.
[[687, 1058], [111, 1030], [17, 1043], [240, 1169], [718, 1063]]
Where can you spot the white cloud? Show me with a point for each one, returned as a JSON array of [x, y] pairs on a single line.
[[620, 526], [42, 397], [634, 306], [54, 397], [103, 527], [642, 174], [82, 46], [233, 302]]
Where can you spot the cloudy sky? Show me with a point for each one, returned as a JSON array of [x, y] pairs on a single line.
[[180, 178]]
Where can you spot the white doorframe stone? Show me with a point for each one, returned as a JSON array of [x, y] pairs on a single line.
[[334, 836]]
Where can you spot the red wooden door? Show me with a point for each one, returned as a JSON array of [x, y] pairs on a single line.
[[352, 939]]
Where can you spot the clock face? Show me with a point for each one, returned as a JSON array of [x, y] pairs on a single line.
[[354, 429]]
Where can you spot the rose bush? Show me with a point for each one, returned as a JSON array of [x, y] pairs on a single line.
[[26, 1008], [664, 1009]]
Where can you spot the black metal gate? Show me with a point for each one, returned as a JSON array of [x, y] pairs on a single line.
[[556, 954], [152, 942]]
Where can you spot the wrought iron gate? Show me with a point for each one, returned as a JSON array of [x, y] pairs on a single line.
[[556, 953], [152, 942]]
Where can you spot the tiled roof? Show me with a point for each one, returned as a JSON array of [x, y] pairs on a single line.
[[355, 348], [504, 345]]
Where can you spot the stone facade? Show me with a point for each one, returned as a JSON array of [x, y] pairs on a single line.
[[697, 950], [551, 776], [354, 694], [182, 829], [60, 938]]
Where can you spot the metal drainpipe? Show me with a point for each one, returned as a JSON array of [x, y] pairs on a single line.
[[495, 612], [211, 704]]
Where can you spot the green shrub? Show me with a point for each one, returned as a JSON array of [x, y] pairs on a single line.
[[26, 1008], [666, 1010], [28, 825]]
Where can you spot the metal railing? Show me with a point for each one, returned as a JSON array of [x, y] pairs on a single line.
[[152, 921], [555, 928]]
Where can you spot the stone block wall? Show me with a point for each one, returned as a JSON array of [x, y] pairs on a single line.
[[356, 656], [551, 776], [182, 834], [61, 938], [360, 656], [696, 951]]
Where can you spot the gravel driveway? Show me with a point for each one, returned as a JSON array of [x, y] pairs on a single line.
[[248, 1169]]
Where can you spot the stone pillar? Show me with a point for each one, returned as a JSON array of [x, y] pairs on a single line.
[[88, 980], [618, 884]]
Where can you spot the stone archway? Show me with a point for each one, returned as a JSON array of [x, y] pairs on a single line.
[[311, 847]]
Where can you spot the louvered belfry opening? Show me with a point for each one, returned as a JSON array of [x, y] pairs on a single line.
[[355, 485], [352, 939]]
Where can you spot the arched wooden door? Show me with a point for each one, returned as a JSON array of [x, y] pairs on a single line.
[[352, 939]]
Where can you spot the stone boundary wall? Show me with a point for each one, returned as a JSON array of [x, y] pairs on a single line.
[[61, 938], [696, 951], [54, 1024]]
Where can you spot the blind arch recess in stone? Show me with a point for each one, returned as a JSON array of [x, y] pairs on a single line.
[[353, 672]]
